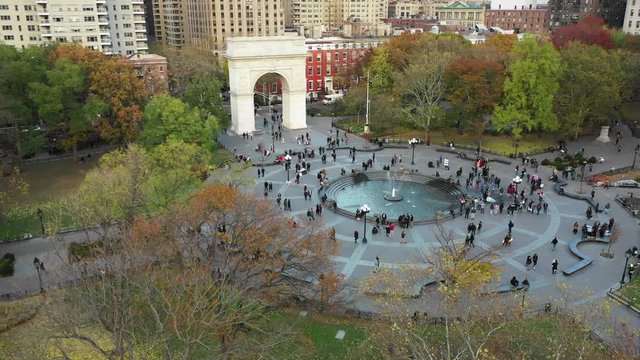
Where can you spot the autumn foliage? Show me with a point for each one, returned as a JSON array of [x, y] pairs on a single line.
[[590, 30]]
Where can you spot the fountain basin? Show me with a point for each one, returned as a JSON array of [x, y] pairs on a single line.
[[425, 197]]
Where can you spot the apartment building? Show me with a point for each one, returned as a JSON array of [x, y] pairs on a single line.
[[209, 22], [19, 25], [518, 15], [332, 14], [109, 26], [565, 12], [632, 18], [168, 22]]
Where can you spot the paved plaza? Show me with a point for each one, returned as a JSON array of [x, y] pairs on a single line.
[[532, 233]]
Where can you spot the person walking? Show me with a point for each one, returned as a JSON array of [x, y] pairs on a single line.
[[535, 260], [528, 262], [554, 242], [377, 265], [479, 228], [403, 237], [355, 236], [554, 266], [510, 226]]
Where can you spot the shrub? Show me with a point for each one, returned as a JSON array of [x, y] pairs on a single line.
[[592, 160], [546, 162], [7, 265], [569, 158], [78, 251], [557, 160]]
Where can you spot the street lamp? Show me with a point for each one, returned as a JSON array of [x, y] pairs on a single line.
[[525, 289], [273, 142], [635, 155], [584, 165], [40, 213], [627, 255], [39, 265], [364, 209], [517, 180], [413, 143], [517, 143]]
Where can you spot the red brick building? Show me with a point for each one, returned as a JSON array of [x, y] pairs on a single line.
[[152, 69], [530, 21], [330, 57]]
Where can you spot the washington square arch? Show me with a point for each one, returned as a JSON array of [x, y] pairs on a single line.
[[249, 58]]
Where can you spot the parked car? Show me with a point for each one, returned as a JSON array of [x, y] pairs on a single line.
[[626, 183]]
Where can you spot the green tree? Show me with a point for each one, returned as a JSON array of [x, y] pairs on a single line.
[[168, 117], [205, 94], [530, 89], [588, 87], [176, 167], [64, 102], [423, 88], [17, 70], [380, 71]]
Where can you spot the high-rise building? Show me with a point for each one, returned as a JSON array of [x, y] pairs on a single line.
[[109, 26], [565, 12], [209, 22], [632, 18], [332, 14], [19, 25], [168, 22]]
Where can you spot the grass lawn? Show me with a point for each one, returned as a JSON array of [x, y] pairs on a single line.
[[632, 291], [498, 144], [630, 111]]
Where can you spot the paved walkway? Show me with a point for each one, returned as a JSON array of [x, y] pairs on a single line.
[[532, 233]]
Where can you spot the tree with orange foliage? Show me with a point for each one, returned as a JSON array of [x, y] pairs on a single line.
[[114, 81], [475, 87], [590, 30]]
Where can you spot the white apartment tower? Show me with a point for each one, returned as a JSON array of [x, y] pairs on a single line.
[[109, 26], [19, 25], [632, 18]]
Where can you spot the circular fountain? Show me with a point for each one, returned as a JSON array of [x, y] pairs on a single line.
[[425, 197]]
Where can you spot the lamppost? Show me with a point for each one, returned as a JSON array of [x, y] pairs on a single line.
[[525, 289], [517, 143], [635, 155], [332, 120], [39, 266], [517, 180], [273, 142], [413, 143], [287, 164], [40, 213], [364, 209], [627, 255], [584, 165]]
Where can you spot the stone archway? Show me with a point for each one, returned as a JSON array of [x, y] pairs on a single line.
[[251, 57]]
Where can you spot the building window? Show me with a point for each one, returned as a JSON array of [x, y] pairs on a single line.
[[92, 38], [319, 71], [337, 56], [310, 70], [89, 18], [274, 88], [5, 17], [310, 85], [344, 56], [124, 7], [58, 19], [328, 69], [29, 17], [28, 8], [31, 27], [87, 8], [128, 43], [8, 37], [7, 27]]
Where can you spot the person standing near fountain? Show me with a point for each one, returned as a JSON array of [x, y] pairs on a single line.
[[403, 237], [355, 236]]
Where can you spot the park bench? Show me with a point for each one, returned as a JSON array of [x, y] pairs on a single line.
[[505, 288], [298, 275], [584, 259]]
